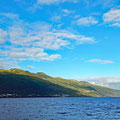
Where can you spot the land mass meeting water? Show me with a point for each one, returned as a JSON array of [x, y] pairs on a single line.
[[19, 83]]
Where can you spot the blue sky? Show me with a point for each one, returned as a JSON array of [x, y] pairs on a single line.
[[66, 38]]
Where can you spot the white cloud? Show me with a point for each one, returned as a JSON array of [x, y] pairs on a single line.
[[35, 54], [31, 67], [101, 61], [83, 39], [39, 3], [10, 15], [101, 3], [43, 36], [79, 39], [86, 21], [32, 41], [3, 34], [112, 17], [51, 57], [59, 15], [48, 2], [111, 82], [67, 12], [6, 63], [77, 16], [9, 19], [56, 18]]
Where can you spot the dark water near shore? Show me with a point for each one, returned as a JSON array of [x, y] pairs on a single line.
[[73, 108]]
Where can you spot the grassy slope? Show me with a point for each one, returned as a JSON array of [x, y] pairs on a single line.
[[24, 83]]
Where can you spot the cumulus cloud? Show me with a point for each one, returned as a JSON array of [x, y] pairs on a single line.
[[35, 54], [112, 17], [101, 61], [86, 21], [111, 82], [31, 41]]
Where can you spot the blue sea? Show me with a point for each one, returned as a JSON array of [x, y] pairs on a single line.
[[69, 108]]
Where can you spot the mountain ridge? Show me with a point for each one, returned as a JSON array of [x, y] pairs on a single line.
[[19, 83]]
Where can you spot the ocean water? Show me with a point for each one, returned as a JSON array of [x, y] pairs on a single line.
[[72, 108]]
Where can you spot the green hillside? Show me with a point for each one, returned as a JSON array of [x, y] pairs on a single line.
[[19, 83]]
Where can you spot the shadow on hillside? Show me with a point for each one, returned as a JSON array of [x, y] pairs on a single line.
[[31, 86]]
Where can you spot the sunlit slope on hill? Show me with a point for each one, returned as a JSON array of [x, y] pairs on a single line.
[[19, 83]]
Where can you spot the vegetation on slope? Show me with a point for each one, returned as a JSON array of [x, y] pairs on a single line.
[[19, 83]]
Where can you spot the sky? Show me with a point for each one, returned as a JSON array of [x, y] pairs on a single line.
[[77, 39]]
